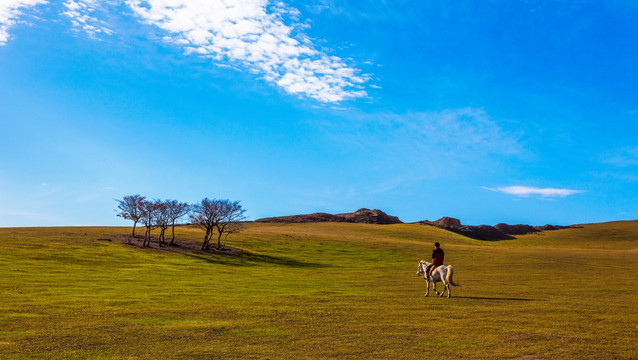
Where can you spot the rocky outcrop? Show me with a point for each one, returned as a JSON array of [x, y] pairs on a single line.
[[446, 222], [500, 231], [362, 216], [315, 217], [367, 216], [479, 232]]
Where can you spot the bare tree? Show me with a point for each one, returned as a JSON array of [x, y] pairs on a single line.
[[149, 216], [221, 215], [176, 211], [130, 208], [233, 228], [162, 219], [205, 215], [231, 215]]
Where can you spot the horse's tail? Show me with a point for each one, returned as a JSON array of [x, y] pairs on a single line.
[[450, 273]]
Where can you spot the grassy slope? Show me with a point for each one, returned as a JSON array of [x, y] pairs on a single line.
[[319, 291]]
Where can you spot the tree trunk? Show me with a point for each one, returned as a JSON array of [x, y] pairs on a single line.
[[219, 241], [173, 237], [147, 237], [205, 243], [134, 225]]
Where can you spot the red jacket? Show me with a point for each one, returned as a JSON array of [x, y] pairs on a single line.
[[437, 256]]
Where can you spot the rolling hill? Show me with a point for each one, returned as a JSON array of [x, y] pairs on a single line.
[[319, 290]]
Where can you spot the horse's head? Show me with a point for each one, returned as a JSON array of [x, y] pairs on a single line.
[[421, 269]]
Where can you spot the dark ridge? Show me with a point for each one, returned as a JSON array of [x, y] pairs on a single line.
[[480, 232], [556, 227], [501, 231], [362, 216], [315, 217], [518, 229], [483, 232]]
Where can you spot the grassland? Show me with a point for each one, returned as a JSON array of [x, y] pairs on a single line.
[[309, 291]]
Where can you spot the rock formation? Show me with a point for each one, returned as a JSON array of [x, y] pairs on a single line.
[[518, 229], [362, 216], [500, 231]]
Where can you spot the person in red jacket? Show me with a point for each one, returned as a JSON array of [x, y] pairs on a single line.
[[437, 258]]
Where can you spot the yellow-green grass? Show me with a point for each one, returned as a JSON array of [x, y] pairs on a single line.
[[328, 290]]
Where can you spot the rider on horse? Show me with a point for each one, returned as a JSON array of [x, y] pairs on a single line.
[[437, 258]]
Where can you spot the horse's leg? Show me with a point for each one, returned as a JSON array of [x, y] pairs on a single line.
[[447, 286], [434, 286], [427, 283]]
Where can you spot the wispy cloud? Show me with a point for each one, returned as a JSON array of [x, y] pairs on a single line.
[[255, 35], [462, 132], [83, 16], [22, 214], [451, 137], [624, 157], [416, 146], [10, 12], [526, 191], [619, 163]]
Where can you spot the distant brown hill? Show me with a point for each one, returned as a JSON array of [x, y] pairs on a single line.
[[500, 231], [362, 216]]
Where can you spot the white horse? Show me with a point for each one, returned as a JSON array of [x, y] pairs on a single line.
[[441, 273]]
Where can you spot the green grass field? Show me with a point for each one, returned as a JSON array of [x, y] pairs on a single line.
[[309, 291]]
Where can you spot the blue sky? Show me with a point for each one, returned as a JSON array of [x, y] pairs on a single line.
[[488, 111]]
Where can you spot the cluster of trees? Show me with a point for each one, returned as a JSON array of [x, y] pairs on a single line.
[[220, 216]]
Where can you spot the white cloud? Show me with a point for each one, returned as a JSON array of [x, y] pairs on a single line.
[[252, 34], [526, 191], [83, 16], [10, 12], [259, 36]]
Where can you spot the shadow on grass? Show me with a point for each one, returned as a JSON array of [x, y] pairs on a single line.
[[248, 259], [495, 298], [225, 256]]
